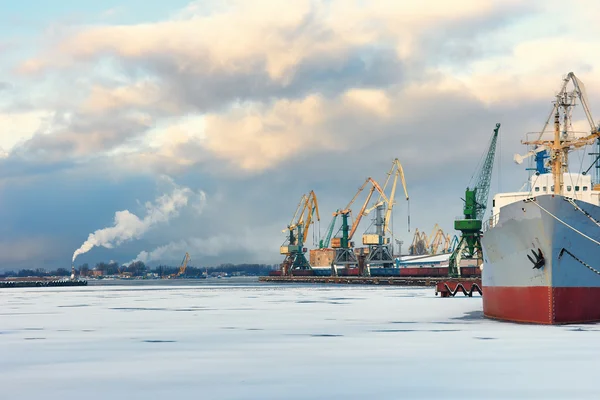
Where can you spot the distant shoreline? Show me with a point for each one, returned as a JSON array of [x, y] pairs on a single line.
[[174, 282]]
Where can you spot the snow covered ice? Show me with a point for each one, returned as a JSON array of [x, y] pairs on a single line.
[[263, 341]]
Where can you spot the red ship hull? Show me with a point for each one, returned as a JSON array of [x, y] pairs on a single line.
[[542, 304]]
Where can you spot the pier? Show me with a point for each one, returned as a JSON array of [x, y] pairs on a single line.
[[25, 283]]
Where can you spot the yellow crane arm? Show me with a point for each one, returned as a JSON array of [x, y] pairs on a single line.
[[437, 241], [417, 237], [434, 232], [362, 212], [184, 264], [300, 206], [425, 239], [312, 206], [399, 172]]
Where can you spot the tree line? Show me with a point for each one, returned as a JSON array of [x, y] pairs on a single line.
[[139, 269]]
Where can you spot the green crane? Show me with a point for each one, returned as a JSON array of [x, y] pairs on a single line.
[[475, 204], [324, 243]]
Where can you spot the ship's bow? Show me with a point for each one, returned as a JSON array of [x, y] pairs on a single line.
[[537, 263]]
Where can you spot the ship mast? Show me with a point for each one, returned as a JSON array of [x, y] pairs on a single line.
[[561, 144]]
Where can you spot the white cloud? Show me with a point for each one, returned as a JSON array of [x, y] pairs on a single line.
[[17, 127], [296, 93]]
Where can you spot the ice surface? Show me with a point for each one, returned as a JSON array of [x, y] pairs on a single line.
[[281, 342]]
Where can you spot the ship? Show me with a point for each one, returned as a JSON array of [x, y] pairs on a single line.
[[541, 245]]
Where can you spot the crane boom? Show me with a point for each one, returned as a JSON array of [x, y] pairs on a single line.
[[485, 177], [578, 92], [297, 216], [475, 204], [184, 264], [361, 213], [293, 246], [311, 206], [347, 210], [325, 243], [399, 172]]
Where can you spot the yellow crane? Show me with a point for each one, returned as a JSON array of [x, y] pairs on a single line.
[[436, 241], [182, 268], [419, 244], [397, 171], [379, 250], [184, 264], [297, 233], [344, 254], [423, 244]]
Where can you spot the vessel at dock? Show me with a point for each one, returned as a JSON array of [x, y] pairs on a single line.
[[541, 247]]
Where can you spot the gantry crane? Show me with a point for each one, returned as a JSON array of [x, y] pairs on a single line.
[[380, 252], [293, 247], [475, 204], [344, 254]]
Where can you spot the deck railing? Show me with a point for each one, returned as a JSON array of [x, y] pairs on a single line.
[[490, 222]]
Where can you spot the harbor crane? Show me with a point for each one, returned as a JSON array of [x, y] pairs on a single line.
[[380, 251], [324, 243], [297, 233], [344, 253], [419, 244], [475, 204], [182, 268], [423, 244], [184, 264]]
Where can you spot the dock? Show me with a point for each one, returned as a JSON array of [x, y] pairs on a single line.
[[364, 280], [16, 283]]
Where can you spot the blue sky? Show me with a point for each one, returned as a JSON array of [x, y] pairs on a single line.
[[165, 127]]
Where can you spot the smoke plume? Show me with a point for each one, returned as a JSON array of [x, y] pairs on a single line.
[[213, 246], [253, 242], [128, 226]]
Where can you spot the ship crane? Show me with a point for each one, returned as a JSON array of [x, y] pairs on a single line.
[[344, 254], [564, 99], [475, 204], [297, 233]]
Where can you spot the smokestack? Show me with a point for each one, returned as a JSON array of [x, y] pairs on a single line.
[[72, 272]]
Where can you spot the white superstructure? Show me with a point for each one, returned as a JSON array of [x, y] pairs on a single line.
[[576, 186]]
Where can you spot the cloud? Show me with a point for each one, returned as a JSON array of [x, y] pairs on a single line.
[[275, 48], [128, 226], [17, 127], [287, 71], [16, 253], [259, 102], [75, 136]]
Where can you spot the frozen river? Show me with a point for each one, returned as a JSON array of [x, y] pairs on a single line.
[[261, 341]]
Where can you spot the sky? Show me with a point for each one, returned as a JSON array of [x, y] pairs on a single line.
[[145, 129]]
